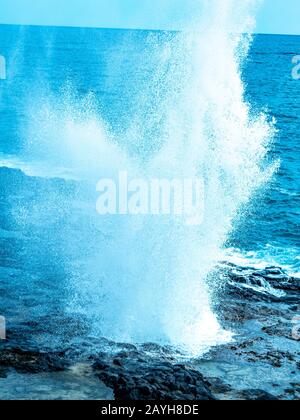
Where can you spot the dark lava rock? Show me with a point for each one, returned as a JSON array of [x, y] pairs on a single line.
[[217, 386], [274, 358], [280, 329], [249, 294], [140, 377], [31, 362], [256, 395], [274, 277]]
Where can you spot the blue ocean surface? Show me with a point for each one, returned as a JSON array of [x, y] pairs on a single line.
[[59, 80], [271, 233]]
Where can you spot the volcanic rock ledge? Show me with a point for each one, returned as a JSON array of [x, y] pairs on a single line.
[[134, 376]]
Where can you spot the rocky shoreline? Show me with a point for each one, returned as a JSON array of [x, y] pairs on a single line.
[[262, 363]]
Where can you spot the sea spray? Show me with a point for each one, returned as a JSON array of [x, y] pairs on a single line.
[[144, 280]]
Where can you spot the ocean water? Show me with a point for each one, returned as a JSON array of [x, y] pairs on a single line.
[[271, 232], [81, 104]]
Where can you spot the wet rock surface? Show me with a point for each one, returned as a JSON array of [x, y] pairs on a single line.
[[262, 309], [256, 395], [133, 378], [268, 296], [30, 362]]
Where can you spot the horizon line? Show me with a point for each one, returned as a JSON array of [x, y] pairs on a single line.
[[123, 28]]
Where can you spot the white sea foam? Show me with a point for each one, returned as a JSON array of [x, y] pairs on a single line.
[[270, 255]]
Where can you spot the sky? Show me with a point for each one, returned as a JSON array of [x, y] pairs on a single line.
[[275, 16]]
